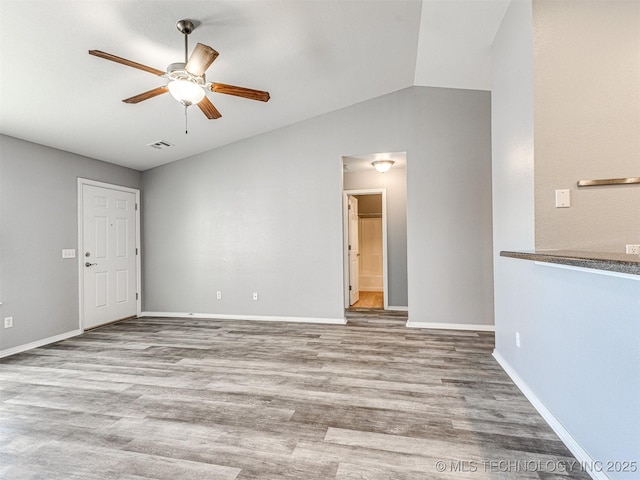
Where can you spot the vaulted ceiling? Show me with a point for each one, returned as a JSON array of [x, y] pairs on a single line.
[[313, 56]]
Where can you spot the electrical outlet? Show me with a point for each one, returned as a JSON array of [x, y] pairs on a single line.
[[633, 249], [218, 295], [8, 322], [255, 295], [518, 339]]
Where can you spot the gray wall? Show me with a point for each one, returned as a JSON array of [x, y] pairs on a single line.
[[579, 331], [265, 214], [395, 183], [587, 124], [449, 240], [38, 215]]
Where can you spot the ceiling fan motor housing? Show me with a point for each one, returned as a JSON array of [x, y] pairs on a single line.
[[177, 71]]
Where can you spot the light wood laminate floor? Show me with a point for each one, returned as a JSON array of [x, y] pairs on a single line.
[[370, 300], [203, 399]]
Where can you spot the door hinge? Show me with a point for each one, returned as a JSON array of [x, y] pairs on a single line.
[[136, 296], [348, 207], [136, 206], [136, 251], [349, 287], [349, 247]]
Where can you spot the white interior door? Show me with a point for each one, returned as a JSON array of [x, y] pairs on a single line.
[[354, 251], [108, 250]]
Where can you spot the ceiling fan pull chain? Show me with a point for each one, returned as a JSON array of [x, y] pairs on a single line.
[[186, 128]]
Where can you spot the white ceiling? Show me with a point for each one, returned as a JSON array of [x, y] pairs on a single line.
[[454, 48], [313, 56]]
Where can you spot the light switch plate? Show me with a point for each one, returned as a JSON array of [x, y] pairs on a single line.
[[68, 253], [563, 198]]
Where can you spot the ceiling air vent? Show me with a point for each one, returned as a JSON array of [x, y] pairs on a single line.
[[160, 145]]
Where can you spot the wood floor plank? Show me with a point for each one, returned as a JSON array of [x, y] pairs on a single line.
[[198, 398]]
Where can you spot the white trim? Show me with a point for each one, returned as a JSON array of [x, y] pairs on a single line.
[[565, 436], [609, 273], [398, 309], [136, 192], [451, 326], [261, 318], [345, 241], [39, 343]]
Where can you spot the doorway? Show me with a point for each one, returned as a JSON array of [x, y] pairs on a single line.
[[365, 245], [362, 178], [109, 246]]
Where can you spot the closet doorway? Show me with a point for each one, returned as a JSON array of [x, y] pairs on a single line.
[[365, 248]]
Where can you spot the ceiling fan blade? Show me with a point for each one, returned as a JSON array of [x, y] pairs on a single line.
[[240, 92], [146, 95], [208, 109], [124, 61], [201, 58]]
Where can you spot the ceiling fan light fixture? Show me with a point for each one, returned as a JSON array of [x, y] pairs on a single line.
[[382, 165], [186, 81], [186, 92]]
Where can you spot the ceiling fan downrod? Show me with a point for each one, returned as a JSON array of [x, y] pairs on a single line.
[[185, 27]]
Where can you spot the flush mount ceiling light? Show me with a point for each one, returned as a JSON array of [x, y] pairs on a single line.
[[382, 165], [187, 82]]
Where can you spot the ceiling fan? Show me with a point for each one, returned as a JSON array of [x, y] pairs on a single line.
[[187, 82]]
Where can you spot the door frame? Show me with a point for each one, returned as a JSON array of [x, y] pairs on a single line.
[[345, 241], [81, 183]]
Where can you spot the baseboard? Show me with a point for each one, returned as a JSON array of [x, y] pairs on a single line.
[[38, 343], [451, 326], [398, 309], [260, 318], [574, 447]]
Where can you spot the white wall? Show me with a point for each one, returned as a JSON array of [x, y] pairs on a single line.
[[587, 123], [38, 215], [265, 214], [513, 158], [579, 359]]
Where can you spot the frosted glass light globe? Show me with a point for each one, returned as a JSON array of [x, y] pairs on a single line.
[[186, 92]]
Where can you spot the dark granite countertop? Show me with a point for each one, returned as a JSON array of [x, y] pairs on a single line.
[[612, 262]]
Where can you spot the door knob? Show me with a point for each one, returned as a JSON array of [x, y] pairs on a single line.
[[88, 264]]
